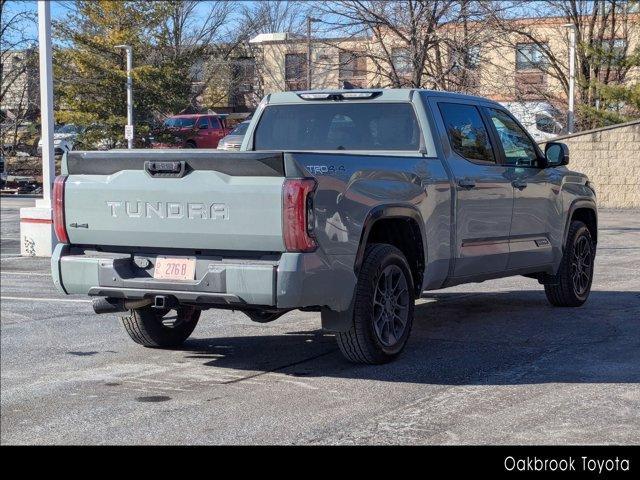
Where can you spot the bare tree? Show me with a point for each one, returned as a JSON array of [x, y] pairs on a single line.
[[17, 68], [196, 35], [411, 45], [269, 17], [605, 29]]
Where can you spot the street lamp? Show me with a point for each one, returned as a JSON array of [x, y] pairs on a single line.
[[309, 21], [572, 75], [128, 131]]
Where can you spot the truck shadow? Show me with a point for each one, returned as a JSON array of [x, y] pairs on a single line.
[[501, 338]]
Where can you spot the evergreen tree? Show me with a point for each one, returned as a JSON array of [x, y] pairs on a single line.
[[90, 71]]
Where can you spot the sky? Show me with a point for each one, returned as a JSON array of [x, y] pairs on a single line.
[[59, 9]]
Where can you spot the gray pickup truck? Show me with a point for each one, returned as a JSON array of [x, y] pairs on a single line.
[[351, 203]]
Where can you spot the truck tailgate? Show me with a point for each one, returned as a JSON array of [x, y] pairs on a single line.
[[193, 199]]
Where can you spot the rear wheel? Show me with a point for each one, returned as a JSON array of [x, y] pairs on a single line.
[[574, 277], [383, 308], [190, 144], [160, 328]]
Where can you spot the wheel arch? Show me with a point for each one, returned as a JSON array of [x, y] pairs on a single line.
[[408, 226], [585, 211]]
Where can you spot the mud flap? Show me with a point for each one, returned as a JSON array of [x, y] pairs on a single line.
[[335, 322]]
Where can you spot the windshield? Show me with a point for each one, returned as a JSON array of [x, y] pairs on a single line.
[[179, 122], [547, 124], [338, 126], [240, 129], [67, 129]]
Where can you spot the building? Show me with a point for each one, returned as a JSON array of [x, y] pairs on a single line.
[[19, 86], [505, 65]]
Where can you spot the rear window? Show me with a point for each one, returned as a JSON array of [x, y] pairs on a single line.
[[240, 129], [338, 126]]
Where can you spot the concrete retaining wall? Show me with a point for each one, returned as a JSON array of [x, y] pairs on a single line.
[[610, 156]]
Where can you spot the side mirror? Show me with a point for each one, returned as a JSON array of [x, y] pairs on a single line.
[[557, 154]]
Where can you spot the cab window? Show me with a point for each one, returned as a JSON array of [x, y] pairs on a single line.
[[466, 131], [519, 149]]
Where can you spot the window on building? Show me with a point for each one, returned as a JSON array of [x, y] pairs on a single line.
[[244, 72], [530, 56], [352, 65], [295, 71], [401, 58], [466, 131], [465, 57], [614, 49]]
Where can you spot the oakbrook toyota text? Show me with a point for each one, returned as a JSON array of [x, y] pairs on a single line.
[[569, 464]]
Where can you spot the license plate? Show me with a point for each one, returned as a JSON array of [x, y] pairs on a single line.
[[175, 268]]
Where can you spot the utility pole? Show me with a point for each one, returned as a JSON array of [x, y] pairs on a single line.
[[310, 20], [572, 77], [128, 131]]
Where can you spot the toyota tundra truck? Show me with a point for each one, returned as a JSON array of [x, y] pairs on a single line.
[[350, 203]]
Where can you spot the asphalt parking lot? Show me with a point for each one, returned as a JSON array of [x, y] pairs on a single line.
[[487, 363]]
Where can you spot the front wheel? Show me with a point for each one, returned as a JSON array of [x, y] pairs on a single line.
[[383, 308], [154, 328], [574, 277]]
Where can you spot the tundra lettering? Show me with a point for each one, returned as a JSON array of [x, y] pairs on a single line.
[[346, 203], [213, 211]]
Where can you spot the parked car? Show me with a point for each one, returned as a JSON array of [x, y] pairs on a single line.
[[190, 131], [539, 118], [233, 141], [64, 138], [347, 202]]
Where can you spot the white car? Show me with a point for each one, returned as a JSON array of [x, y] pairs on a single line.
[[64, 138], [539, 118]]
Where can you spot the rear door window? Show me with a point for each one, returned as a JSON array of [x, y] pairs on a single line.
[[338, 126], [215, 123], [203, 123], [467, 132]]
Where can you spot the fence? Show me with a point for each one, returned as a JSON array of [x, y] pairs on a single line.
[[610, 156]]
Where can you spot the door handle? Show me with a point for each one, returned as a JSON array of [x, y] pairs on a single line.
[[466, 183], [519, 184]]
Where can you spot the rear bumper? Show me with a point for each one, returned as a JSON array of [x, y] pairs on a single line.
[[293, 280]]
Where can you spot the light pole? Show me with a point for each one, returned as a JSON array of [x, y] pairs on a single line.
[[37, 236], [309, 21], [128, 131], [572, 76], [46, 99]]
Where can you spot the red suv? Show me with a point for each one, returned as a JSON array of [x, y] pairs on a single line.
[[190, 131]]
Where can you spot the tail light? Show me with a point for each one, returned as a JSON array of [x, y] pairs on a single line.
[[297, 214], [58, 209]]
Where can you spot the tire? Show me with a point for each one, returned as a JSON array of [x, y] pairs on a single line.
[[574, 277], [151, 328], [375, 342], [190, 144]]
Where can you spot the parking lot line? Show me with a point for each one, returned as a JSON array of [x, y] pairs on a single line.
[[36, 299], [30, 274]]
